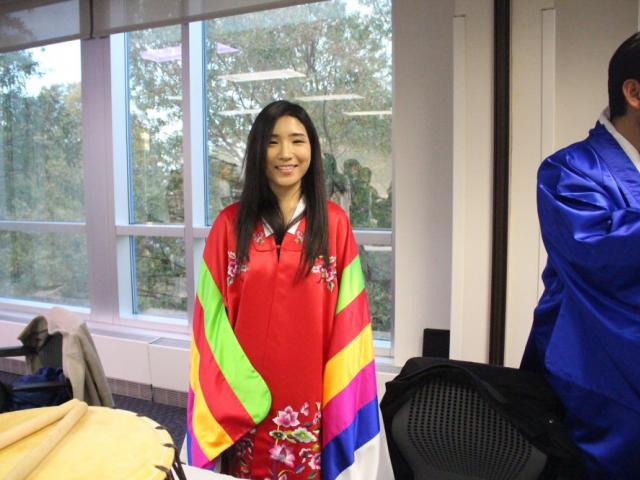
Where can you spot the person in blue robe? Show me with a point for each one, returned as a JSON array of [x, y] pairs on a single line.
[[586, 331]]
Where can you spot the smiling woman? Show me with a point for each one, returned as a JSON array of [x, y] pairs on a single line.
[[282, 373]]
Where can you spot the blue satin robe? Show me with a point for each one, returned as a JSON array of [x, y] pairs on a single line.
[[586, 331]]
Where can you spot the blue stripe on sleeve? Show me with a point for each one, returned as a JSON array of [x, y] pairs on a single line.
[[338, 454]]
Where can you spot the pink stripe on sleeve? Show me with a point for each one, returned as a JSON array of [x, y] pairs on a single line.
[[342, 409]]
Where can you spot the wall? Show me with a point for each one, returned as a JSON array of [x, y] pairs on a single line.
[[422, 169], [472, 179], [442, 160]]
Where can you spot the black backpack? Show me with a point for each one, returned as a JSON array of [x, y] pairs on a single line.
[[47, 387]]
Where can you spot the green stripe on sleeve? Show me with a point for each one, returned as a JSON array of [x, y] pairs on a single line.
[[245, 381], [351, 284]]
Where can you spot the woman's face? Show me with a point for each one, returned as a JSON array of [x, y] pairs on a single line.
[[288, 156]]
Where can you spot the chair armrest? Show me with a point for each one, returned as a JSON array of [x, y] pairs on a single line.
[[39, 386], [16, 351]]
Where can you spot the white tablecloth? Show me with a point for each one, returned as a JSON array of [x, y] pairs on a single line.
[[193, 473]]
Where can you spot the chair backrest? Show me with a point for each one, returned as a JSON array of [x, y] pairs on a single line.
[[447, 431], [51, 352]]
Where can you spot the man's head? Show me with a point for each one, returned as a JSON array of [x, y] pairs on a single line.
[[624, 77]]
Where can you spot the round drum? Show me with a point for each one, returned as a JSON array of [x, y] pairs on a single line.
[[106, 443]]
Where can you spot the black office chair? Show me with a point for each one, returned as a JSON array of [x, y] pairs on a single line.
[[447, 431], [448, 420]]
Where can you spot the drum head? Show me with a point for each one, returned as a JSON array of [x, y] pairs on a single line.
[[106, 443]]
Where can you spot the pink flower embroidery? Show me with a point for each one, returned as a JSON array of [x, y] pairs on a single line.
[[287, 418], [259, 238], [233, 267], [283, 454], [305, 454], [299, 236], [314, 462], [326, 272], [317, 418], [296, 442]]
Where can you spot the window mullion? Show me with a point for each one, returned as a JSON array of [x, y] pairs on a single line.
[[120, 140], [369, 236], [77, 228], [97, 154], [194, 148]]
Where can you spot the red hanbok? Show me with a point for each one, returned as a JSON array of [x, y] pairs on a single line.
[[285, 324]]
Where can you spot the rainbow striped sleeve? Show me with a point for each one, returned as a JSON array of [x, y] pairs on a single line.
[[227, 396], [351, 430]]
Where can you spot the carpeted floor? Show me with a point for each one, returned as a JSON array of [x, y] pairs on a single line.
[[172, 418]]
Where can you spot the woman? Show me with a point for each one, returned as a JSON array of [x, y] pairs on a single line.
[[282, 375]]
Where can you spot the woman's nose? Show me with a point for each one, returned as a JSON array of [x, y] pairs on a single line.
[[285, 151]]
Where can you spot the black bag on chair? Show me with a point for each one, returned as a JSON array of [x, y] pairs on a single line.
[[5, 398], [448, 419], [47, 387]]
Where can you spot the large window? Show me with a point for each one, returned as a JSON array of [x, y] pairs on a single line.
[[334, 58], [182, 101], [42, 246]]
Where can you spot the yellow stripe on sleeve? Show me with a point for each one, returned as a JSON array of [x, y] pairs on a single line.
[[211, 437], [346, 364]]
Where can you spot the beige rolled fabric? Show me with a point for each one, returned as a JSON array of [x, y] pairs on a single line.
[[30, 461], [25, 429]]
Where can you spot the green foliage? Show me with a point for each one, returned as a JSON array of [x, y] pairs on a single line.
[[44, 267], [40, 179], [376, 266], [161, 285]]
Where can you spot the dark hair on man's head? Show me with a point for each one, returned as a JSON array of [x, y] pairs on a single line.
[[258, 200], [624, 65]]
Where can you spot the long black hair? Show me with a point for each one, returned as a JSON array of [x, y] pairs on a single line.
[[258, 201]]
